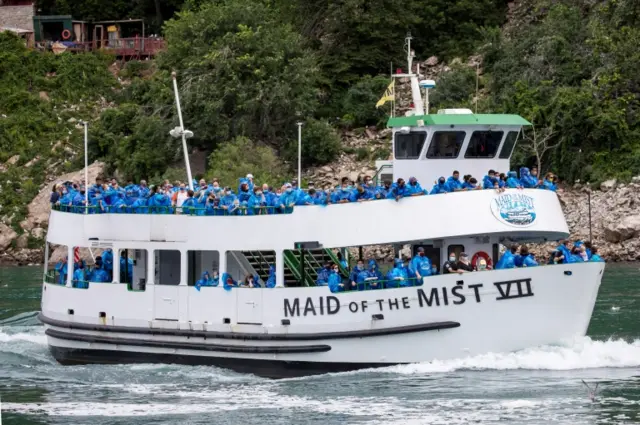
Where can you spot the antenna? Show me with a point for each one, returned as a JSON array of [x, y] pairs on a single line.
[[410, 53], [477, 85]]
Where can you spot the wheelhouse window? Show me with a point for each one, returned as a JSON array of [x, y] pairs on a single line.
[[509, 144], [484, 144], [446, 144], [409, 145]]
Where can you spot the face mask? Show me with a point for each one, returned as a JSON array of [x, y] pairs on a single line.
[[258, 193], [414, 183], [215, 274], [289, 190], [360, 266], [434, 270], [482, 266], [182, 189], [452, 259]]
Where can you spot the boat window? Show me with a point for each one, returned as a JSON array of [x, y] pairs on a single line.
[[509, 144], [457, 249], [199, 262], [55, 259], [167, 267], [446, 144], [134, 265], [409, 145], [243, 265], [484, 144]]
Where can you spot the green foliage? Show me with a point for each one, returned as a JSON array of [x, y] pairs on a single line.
[[240, 157], [242, 71], [359, 103], [574, 71], [320, 144], [455, 89], [135, 68], [362, 154]]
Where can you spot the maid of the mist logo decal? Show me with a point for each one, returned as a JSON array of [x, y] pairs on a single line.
[[514, 209]]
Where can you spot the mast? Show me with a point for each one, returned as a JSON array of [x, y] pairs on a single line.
[[416, 97], [181, 132]]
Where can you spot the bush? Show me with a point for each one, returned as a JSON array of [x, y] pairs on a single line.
[[362, 154], [359, 103], [320, 144], [240, 157]]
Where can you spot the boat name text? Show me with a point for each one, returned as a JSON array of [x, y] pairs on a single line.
[[426, 297]]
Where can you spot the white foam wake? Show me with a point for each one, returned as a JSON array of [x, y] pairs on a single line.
[[582, 353], [20, 334]]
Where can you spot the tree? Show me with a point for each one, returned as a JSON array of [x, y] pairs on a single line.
[[241, 71], [539, 144], [241, 156]]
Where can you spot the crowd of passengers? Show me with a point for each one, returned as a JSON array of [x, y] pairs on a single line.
[[405, 272], [251, 198]]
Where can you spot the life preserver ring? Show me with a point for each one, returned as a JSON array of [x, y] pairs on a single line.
[[66, 34], [483, 255]]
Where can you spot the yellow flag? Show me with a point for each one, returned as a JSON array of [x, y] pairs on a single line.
[[389, 94]]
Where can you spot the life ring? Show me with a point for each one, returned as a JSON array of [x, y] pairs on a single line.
[[66, 34], [483, 255]]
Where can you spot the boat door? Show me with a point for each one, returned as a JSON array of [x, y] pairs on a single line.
[[166, 288], [249, 306]]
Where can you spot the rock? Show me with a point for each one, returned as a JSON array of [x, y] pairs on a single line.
[[353, 176], [370, 134], [33, 161], [627, 228], [38, 233], [23, 241], [636, 179], [72, 120], [38, 209], [432, 61], [44, 96], [7, 235], [13, 160], [608, 185]]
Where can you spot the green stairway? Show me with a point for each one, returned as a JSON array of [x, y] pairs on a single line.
[[313, 259]]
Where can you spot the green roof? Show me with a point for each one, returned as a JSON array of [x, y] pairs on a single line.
[[458, 119]]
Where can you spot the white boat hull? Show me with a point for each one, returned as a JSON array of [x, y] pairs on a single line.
[[296, 331]]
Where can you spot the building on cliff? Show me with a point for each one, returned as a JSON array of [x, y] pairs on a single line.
[[17, 16]]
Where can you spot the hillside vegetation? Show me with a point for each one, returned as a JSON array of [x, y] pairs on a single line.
[[248, 70]]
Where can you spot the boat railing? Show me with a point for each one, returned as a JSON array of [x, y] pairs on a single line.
[[192, 211], [367, 285]]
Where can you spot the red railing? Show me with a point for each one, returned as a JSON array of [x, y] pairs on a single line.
[[135, 46]]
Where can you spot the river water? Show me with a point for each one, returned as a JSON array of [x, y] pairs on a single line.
[[534, 386]]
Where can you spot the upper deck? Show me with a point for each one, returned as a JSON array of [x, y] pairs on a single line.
[[472, 213]]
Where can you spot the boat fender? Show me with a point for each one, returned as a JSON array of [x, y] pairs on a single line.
[[481, 254], [66, 34]]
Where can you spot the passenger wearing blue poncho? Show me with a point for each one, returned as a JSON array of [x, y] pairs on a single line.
[[512, 180], [243, 192], [271, 280], [548, 183], [507, 261], [453, 182], [226, 202], [99, 274], [360, 194], [159, 203], [107, 261], [397, 276], [440, 187], [323, 275], [353, 277], [374, 276], [228, 283], [207, 280], [527, 258], [398, 190], [414, 188], [257, 203], [288, 199], [527, 180], [335, 280], [80, 277], [126, 268], [61, 269], [595, 258], [420, 266]]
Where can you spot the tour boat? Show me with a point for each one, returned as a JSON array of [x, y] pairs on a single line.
[[157, 315]]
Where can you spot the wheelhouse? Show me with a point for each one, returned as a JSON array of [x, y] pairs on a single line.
[[431, 146]]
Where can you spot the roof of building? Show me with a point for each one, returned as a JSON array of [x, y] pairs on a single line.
[[457, 119]]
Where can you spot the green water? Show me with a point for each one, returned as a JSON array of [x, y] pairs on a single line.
[[534, 386]]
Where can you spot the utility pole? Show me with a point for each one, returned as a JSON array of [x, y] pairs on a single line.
[[299, 123], [86, 167]]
